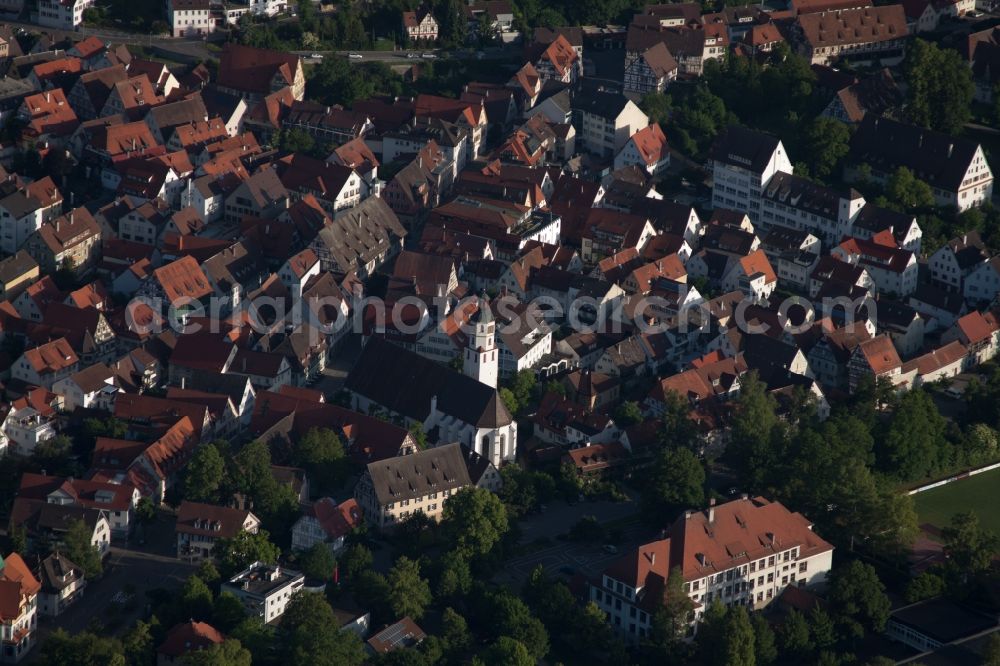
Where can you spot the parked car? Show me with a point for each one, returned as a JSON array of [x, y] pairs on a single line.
[[355, 56], [611, 549], [316, 56], [429, 56], [412, 55]]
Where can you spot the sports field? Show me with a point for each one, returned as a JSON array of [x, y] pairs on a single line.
[[979, 493]]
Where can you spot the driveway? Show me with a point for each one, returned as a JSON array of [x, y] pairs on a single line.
[[339, 366]]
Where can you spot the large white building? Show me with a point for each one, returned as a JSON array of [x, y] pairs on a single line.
[[62, 14], [744, 552], [743, 161], [265, 589], [479, 359], [18, 608]]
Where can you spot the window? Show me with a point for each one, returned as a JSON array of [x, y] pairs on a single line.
[[770, 578], [770, 561], [803, 567]]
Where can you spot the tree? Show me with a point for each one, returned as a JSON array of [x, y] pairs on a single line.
[[373, 588], [227, 612], [355, 559], [229, 652], [318, 562], [138, 644], [914, 442], [311, 635], [204, 475], [208, 572], [628, 413], [765, 648], [907, 192], [826, 143], [145, 511], [676, 481], [509, 400], [670, 622], [758, 435], [81, 551], [455, 577], [322, 453], [506, 651], [739, 638], [409, 594], [793, 637], [679, 431], [474, 521], [419, 435], [939, 87], [857, 598], [969, 547], [82, 649], [452, 25], [196, 599], [821, 629], [925, 586], [991, 653], [239, 552], [510, 616], [455, 632]]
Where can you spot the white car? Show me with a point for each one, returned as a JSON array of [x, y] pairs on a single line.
[[429, 56], [316, 56], [412, 55], [355, 56]]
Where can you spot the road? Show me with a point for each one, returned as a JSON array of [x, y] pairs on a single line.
[[133, 570], [403, 56]]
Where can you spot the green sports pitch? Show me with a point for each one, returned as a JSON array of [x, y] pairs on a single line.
[[978, 493]]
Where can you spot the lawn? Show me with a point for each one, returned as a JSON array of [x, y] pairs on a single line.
[[977, 493]]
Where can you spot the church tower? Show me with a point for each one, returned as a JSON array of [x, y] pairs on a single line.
[[480, 361]]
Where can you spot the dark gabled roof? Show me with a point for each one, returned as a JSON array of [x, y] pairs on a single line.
[[417, 474], [744, 148], [939, 159], [608, 105], [405, 383]]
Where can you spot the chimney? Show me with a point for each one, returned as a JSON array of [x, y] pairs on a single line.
[[711, 510]]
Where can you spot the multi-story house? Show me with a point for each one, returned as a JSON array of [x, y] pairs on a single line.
[[420, 26], [983, 284], [62, 14], [956, 260], [646, 149], [46, 364], [558, 62], [863, 35], [62, 583], [954, 167], [744, 552], [17, 272], [71, 241], [255, 73], [390, 490], [200, 526], [892, 269], [605, 121], [261, 195], [979, 333], [190, 17], [265, 590], [876, 357], [652, 71], [742, 162], [18, 608], [24, 210], [326, 522]]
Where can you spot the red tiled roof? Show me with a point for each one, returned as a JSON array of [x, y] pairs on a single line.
[[183, 278], [51, 357], [976, 326], [189, 636], [880, 354]]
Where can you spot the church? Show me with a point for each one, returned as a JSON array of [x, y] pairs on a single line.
[[453, 406]]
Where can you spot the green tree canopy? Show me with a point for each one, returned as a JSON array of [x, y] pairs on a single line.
[[676, 482], [83, 649], [312, 636], [939, 87], [474, 521], [229, 652], [80, 549], [857, 599], [204, 475], [236, 554], [409, 594], [318, 562]]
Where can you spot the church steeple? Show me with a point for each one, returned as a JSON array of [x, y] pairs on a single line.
[[480, 356]]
